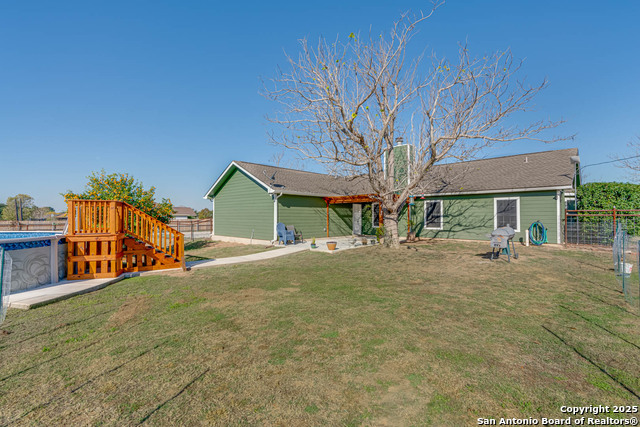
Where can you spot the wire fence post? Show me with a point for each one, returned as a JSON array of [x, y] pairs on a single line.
[[638, 265]]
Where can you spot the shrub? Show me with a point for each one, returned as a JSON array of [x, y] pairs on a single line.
[[607, 195], [123, 187]]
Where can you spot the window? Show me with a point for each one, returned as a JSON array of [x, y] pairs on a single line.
[[433, 214], [507, 212], [375, 215]]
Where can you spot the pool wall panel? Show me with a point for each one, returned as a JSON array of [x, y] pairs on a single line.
[[32, 267]]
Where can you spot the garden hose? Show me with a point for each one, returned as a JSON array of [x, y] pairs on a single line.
[[537, 233]]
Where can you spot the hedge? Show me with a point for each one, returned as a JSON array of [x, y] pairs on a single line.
[[607, 195]]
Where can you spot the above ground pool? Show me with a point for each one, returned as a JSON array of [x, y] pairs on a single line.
[[13, 240], [39, 257]]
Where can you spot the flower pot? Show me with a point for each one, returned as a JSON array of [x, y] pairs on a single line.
[[332, 245], [313, 246]]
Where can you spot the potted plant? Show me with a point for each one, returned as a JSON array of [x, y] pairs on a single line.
[[332, 245], [380, 234], [313, 243]]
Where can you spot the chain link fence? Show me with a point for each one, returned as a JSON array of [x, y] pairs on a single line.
[[626, 261]]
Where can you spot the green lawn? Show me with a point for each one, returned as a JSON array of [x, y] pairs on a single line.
[[199, 250], [436, 334]]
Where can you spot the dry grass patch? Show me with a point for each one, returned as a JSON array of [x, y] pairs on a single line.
[[132, 308]]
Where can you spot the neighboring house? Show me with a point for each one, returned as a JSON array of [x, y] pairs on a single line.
[[183, 212], [465, 200]]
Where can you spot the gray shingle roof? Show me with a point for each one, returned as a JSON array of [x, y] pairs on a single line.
[[546, 169], [183, 211], [292, 181]]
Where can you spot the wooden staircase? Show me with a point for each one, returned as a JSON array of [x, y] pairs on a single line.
[[106, 238]]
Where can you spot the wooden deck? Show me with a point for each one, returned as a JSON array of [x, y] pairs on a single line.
[[107, 238]]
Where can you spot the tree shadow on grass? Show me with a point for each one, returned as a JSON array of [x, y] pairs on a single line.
[[198, 244], [596, 266], [192, 258]]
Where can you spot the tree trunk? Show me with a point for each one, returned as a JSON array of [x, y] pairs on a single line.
[[392, 238]]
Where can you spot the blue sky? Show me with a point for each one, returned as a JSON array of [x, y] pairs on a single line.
[[169, 91]]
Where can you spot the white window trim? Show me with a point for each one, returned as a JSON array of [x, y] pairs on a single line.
[[495, 211], [373, 215], [424, 219], [568, 199]]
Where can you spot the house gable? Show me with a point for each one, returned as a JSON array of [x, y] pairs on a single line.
[[243, 208], [228, 172]]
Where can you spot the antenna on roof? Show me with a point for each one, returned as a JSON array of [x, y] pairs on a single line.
[[273, 177]]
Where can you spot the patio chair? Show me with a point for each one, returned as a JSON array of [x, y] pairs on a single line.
[[297, 235], [284, 235]]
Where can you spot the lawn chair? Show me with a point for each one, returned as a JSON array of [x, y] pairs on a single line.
[[285, 235], [297, 236]]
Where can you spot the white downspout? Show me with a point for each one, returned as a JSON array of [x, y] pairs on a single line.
[[558, 222], [275, 216]]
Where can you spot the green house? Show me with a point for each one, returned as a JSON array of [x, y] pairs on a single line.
[[464, 200]]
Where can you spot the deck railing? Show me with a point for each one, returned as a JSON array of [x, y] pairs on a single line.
[[94, 216], [111, 217], [155, 233]]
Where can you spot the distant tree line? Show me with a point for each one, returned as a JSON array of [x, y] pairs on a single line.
[[21, 207], [205, 213]]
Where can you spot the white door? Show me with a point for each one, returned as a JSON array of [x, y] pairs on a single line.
[[357, 218]]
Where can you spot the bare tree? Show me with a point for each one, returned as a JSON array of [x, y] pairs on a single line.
[[631, 161], [344, 103], [277, 158]]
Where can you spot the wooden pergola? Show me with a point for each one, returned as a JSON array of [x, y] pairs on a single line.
[[358, 198], [362, 198]]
